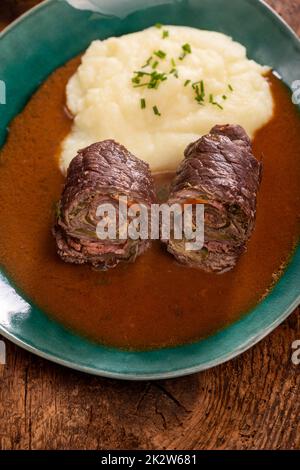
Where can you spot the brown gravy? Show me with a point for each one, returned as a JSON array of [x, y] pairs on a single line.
[[154, 302]]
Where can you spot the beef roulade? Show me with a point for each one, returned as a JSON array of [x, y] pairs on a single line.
[[219, 171], [100, 174]]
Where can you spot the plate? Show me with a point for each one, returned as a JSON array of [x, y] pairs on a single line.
[[45, 38]]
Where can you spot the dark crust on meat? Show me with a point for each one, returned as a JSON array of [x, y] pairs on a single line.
[[99, 173], [111, 167], [220, 168], [234, 133]]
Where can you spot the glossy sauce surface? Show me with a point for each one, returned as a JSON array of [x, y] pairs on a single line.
[[153, 302]]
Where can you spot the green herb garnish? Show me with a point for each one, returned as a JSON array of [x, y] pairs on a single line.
[[143, 103], [158, 25], [174, 72], [230, 87], [186, 49], [173, 63], [147, 62], [224, 97], [155, 64], [156, 111], [155, 79], [160, 54], [202, 87], [136, 79], [213, 102], [187, 82], [165, 34], [199, 90]]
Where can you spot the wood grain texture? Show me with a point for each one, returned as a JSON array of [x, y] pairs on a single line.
[[251, 402]]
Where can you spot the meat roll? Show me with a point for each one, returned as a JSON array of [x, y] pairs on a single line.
[[219, 171], [100, 174]]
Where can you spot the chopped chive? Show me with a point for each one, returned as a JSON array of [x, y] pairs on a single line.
[[230, 87], [147, 62], [155, 77], [224, 97], [187, 82], [160, 54], [143, 103], [199, 90], [135, 80], [158, 25], [140, 85], [213, 102], [202, 87], [156, 111], [165, 34], [141, 73], [174, 72], [186, 49]]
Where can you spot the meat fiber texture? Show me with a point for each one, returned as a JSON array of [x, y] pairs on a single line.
[[220, 171], [99, 174]]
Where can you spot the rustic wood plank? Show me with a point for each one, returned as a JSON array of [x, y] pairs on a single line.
[[249, 403]]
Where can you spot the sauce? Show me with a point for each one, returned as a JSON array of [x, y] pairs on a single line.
[[154, 302]]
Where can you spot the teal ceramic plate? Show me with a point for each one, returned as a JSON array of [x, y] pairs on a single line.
[[47, 37]]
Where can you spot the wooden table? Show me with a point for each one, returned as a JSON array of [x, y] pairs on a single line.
[[251, 402]]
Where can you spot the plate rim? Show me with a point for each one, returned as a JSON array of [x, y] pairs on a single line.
[[260, 3], [152, 376], [180, 372]]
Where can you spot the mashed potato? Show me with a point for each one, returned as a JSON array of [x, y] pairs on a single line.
[[106, 104]]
